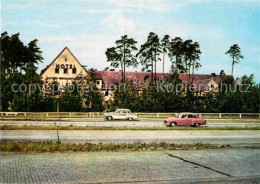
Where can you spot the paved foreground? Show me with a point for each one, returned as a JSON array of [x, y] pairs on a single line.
[[197, 166], [231, 137], [121, 123]]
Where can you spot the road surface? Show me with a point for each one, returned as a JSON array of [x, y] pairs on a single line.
[[232, 137], [121, 123], [179, 166]]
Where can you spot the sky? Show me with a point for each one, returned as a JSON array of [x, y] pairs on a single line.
[[89, 27]]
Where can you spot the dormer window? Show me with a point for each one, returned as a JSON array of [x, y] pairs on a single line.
[[56, 70], [212, 86], [74, 70], [98, 82], [65, 59]]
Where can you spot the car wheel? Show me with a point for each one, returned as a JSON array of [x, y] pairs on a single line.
[[197, 125], [109, 118], [130, 119], [173, 124]]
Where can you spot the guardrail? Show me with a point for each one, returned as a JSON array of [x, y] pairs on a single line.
[[207, 115], [52, 114], [141, 115]]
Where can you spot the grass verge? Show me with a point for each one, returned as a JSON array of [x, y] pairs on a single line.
[[11, 127], [41, 147]]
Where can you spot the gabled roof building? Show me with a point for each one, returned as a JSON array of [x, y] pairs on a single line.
[[65, 67]]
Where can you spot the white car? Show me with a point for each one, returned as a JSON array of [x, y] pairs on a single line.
[[121, 114]]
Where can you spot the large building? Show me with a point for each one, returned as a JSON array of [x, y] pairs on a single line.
[[65, 67]]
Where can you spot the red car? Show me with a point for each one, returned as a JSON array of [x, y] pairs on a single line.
[[185, 119]]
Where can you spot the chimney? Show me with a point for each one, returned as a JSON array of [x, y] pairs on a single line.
[[213, 74], [112, 69]]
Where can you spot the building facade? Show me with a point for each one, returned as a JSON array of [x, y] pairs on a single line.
[[65, 68]]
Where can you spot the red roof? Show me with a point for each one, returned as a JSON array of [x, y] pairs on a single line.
[[200, 80], [111, 77]]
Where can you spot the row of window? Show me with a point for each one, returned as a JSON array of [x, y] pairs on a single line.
[[123, 111], [188, 116], [65, 70]]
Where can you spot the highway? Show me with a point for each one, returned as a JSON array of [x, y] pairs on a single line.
[[145, 122], [237, 164], [216, 137]]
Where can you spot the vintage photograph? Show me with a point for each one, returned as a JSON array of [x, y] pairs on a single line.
[[130, 91]]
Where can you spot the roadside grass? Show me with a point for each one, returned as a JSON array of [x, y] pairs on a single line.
[[12, 127], [51, 147]]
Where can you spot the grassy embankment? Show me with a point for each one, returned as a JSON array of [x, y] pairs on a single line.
[[41, 147], [11, 127]]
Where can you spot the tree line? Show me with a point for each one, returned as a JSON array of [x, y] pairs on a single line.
[[184, 55], [19, 64], [243, 97]]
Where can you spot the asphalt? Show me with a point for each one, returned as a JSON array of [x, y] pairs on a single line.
[[121, 123], [217, 137]]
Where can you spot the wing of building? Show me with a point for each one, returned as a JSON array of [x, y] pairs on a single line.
[[65, 67]]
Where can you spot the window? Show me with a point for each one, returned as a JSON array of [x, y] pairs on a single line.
[[183, 116], [212, 86], [118, 111], [56, 70], [98, 82], [65, 70], [74, 70], [190, 116], [124, 111], [65, 59]]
